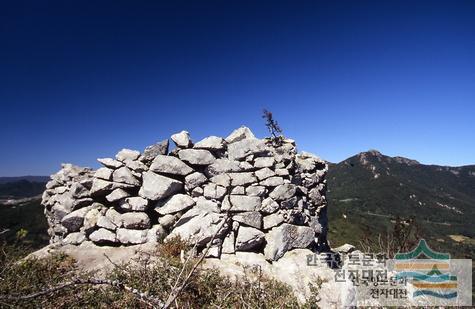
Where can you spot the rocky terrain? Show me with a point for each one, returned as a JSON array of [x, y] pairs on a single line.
[[241, 193]]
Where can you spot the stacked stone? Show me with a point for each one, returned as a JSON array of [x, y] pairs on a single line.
[[256, 194]]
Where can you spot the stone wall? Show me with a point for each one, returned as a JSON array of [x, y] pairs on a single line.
[[270, 198]]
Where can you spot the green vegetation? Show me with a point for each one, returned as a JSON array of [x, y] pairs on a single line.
[[24, 225], [149, 275], [367, 192]]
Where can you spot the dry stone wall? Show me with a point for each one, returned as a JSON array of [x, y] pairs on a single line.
[[271, 198]]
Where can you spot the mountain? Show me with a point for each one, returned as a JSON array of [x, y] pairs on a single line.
[[21, 187], [369, 190], [366, 192], [44, 179], [21, 214]]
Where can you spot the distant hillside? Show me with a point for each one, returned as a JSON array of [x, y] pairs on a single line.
[[27, 217], [370, 189], [19, 188], [29, 178]]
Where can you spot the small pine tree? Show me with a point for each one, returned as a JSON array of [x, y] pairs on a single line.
[[273, 127]]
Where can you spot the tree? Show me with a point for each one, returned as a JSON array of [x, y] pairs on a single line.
[[273, 127]]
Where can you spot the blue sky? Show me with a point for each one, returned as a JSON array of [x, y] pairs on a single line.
[[83, 79]]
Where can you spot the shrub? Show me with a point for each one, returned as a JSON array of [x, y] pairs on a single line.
[[151, 275]]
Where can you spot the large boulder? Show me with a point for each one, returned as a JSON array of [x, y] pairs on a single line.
[[251, 218], [286, 237], [101, 187], [182, 139], [239, 134], [283, 192], [110, 163], [104, 173], [221, 166], [199, 227], [156, 187], [194, 180], [196, 156], [135, 203], [160, 148], [170, 165], [244, 203], [249, 238], [250, 146], [124, 175], [135, 220], [242, 179], [130, 236], [117, 195], [103, 236], [75, 219], [174, 204], [127, 154], [211, 143]]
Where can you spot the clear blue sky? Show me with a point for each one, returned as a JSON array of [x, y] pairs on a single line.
[[83, 79]]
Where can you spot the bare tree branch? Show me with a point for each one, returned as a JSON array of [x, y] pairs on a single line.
[[176, 291], [151, 300]]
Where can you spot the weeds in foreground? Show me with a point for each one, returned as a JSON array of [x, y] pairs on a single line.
[[150, 275]]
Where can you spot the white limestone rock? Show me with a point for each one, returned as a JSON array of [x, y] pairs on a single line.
[[124, 175], [211, 143], [244, 203], [115, 217], [104, 173], [262, 162], [283, 192], [196, 156], [286, 237], [135, 220], [127, 154], [156, 187], [242, 179], [228, 244], [101, 187], [110, 163], [213, 191], [182, 139], [106, 223], [264, 173], [194, 180], [75, 219], [74, 238], [239, 190], [103, 236], [222, 179], [256, 191], [117, 195], [272, 181], [272, 220], [240, 150], [135, 203], [239, 134], [174, 204], [170, 165], [160, 148], [269, 206], [249, 238], [131, 236], [207, 205], [199, 228], [251, 218], [221, 166]]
